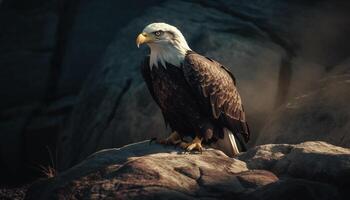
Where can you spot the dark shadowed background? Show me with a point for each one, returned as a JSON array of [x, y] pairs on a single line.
[[70, 81]]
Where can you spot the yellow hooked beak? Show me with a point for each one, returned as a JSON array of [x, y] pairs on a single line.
[[143, 38]]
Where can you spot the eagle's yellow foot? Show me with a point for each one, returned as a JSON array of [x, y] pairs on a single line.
[[195, 145], [173, 139]]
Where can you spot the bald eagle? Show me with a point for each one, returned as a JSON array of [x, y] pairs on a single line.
[[197, 95]]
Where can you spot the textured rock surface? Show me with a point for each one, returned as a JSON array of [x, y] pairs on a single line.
[[320, 163], [153, 171], [316, 161], [311, 170]]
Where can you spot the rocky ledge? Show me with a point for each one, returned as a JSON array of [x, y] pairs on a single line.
[[310, 170]]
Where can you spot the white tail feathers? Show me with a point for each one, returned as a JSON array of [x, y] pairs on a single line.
[[227, 144]]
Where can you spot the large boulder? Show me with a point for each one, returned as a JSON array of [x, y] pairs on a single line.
[[315, 161], [312, 170], [318, 161], [153, 172]]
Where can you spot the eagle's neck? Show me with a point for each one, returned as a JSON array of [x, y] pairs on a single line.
[[173, 53]]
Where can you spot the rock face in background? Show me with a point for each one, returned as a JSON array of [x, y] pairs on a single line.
[[27, 40], [320, 114], [94, 26], [143, 171], [47, 50], [270, 47]]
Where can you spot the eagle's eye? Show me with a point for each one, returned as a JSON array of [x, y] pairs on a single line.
[[158, 33]]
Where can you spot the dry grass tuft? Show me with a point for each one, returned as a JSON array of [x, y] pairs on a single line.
[[48, 171]]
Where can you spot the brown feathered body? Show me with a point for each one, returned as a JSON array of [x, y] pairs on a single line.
[[198, 98]]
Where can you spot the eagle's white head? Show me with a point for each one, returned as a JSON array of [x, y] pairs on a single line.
[[166, 42]]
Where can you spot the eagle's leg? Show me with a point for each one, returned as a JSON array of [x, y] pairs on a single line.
[[173, 139], [195, 145]]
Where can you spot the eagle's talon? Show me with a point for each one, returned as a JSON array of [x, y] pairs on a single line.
[[195, 145]]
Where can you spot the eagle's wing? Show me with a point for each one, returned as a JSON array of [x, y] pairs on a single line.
[[213, 83]]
